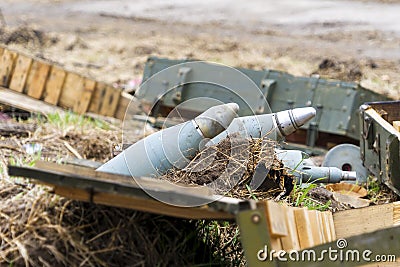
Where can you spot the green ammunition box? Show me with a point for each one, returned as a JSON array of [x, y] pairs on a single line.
[[380, 141]]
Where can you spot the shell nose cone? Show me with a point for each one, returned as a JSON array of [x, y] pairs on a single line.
[[303, 115], [216, 119]]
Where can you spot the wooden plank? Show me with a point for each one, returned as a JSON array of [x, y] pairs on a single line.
[[82, 103], [326, 226], [11, 128], [135, 197], [128, 105], [276, 245], [276, 218], [146, 205], [24, 102], [36, 79], [54, 85], [72, 90], [98, 95], [396, 213], [364, 220], [315, 227], [114, 178], [303, 228], [21, 70], [332, 229], [7, 61], [110, 101], [291, 241]]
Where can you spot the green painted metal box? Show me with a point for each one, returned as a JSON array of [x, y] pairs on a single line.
[[337, 102], [380, 141]]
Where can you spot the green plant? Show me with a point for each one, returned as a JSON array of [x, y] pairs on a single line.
[[301, 198]]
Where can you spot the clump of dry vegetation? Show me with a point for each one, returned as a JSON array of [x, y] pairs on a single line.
[[38, 228]]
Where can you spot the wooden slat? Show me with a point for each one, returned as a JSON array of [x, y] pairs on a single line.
[[98, 95], [326, 226], [54, 85], [332, 229], [36, 79], [129, 105], [146, 205], [7, 61], [276, 218], [20, 74], [72, 90], [291, 241], [114, 178], [82, 103], [364, 220], [304, 228], [110, 101], [396, 213], [315, 227], [1, 50], [24, 102]]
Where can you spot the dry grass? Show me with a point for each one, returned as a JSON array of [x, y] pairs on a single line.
[[229, 166], [38, 228]]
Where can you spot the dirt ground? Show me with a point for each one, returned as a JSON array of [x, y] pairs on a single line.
[[111, 40]]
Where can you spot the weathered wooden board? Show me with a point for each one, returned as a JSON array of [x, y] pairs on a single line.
[[304, 230], [128, 105], [98, 95], [7, 63], [315, 225], [82, 103], [110, 101], [24, 102], [66, 89], [22, 68], [120, 193], [72, 90], [146, 205], [291, 241], [36, 79], [396, 213], [364, 220], [276, 218], [54, 85]]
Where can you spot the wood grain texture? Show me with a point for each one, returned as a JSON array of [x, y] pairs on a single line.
[[36, 79], [276, 218], [7, 63], [24, 102], [21, 71], [359, 221], [82, 103], [72, 90], [110, 101], [291, 241], [54, 85], [146, 205], [304, 231]]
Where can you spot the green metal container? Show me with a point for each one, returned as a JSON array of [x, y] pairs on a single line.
[[380, 141], [337, 102]]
